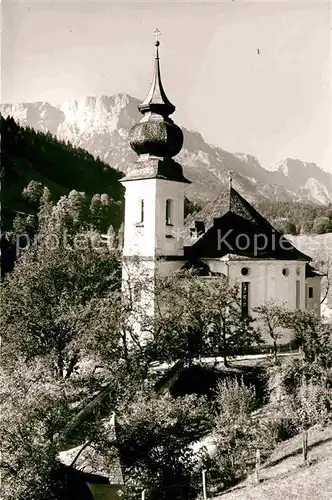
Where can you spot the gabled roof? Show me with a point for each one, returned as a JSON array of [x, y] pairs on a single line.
[[87, 459], [241, 207], [90, 462], [243, 231]]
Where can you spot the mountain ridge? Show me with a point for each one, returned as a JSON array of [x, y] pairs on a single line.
[[100, 124]]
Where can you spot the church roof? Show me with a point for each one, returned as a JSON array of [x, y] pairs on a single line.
[[156, 99], [243, 231], [310, 272], [156, 135]]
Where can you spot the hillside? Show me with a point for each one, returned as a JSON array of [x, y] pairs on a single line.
[[284, 477], [101, 125], [318, 246], [29, 155]]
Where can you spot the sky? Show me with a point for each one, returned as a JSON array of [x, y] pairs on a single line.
[[273, 104]]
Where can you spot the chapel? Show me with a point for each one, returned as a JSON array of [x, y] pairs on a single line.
[[239, 243]]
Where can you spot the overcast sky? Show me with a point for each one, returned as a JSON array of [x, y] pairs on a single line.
[[272, 105]]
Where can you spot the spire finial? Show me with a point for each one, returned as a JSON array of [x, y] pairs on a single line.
[[156, 134], [157, 43], [156, 101]]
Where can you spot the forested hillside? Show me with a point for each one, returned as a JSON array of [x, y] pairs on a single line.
[[295, 217], [28, 155]]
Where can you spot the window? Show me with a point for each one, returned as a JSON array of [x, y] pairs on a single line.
[[168, 212], [298, 292], [245, 298], [285, 271], [141, 213], [244, 271], [310, 292]]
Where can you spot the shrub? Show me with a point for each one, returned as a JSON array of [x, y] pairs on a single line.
[[238, 433], [234, 398], [304, 395], [283, 428]]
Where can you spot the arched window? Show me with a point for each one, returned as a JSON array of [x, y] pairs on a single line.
[[169, 212]]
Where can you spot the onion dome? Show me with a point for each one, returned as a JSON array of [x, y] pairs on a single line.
[[156, 134]]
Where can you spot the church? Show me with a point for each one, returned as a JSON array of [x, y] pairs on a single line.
[[240, 243]]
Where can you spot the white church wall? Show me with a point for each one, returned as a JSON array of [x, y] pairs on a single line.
[[169, 237], [152, 236], [268, 282], [139, 236]]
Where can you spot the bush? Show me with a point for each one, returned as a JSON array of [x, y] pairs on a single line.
[[283, 428], [234, 398], [238, 433], [304, 395], [294, 372]]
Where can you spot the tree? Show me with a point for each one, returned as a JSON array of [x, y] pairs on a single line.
[[229, 330], [307, 227], [44, 298], [322, 225], [191, 208], [237, 432], [33, 192], [154, 437], [50, 354], [309, 403], [285, 226], [323, 262], [270, 319], [314, 336], [34, 410], [178, 326], [197, 315]]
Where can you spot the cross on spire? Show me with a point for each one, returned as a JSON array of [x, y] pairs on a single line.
[[157, 33]]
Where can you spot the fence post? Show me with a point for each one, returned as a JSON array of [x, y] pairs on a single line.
[[305, 445], [258, 464], [204, 484]]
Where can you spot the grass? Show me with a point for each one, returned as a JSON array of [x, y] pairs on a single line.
[[284, 477]]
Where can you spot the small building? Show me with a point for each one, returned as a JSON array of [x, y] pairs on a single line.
[[86, 473], [90, 476]]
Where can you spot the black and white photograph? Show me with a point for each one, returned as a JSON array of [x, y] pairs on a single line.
[[166, 250]]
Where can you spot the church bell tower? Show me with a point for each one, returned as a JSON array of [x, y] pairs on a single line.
[[154, 184]]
